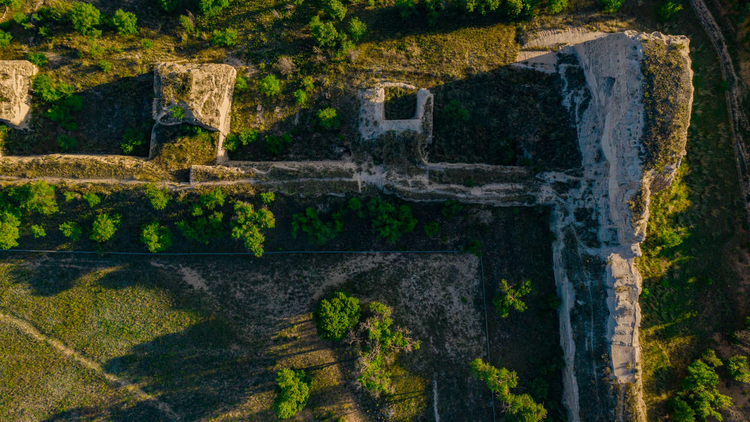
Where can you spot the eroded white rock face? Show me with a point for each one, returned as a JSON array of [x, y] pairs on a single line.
[[202, 91], [372, 121], [15, 92]]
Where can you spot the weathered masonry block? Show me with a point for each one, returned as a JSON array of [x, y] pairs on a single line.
[[15, 92], [372, 121]]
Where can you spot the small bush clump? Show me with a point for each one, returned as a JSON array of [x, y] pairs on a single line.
[[104, 227], [317, 231], [159, 197], [335, 316], [225, 38], [293, 390], [510, 297], [270, 86], [9, 233], [84, 17], [328, 118], [325, 34], [245, 137], [738, 369], [71, 230], [390, 222], [36, 198], [500, 382], [156, 237], [38, 59], [126, 23], [132, 139], [66, 143], [38, 231], [92, 199], [432, 228], [276, 144], [248, 225]]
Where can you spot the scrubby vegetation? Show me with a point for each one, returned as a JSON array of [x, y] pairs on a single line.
[[335, 316], [293, 392], [509, 297], [521, 408]]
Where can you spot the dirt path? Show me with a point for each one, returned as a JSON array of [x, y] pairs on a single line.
[[28, 329], [733, 95]]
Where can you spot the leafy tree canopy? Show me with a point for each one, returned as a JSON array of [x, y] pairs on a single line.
[[335, 316]]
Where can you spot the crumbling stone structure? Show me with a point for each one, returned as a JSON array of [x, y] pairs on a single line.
[[15, 92], [372, 121]]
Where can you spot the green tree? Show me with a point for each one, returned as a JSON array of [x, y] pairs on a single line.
[[9, 232], [66, 143], [318, 232], [225, 38], [556, 6], [432, 228], [156, 237], [518, 408], [334, 9], [667, 10], [270, 86], [211, 7], [451, 208], [357, 29], [104, 227], [37, 197], [389, 222], [71, 230], [510, 297], [213, 199], [293, 390], [37, 58], [38, 231], [405, 8], [325, 34], [169, 6], [159, 197], [610, 6], [92, 199], [126, 23], [248, 225], [328, 118], [300, 97], [5, 39], [699, 398], [335, 316], [738, 369], [267, 197], [84, 17], [275, 145], [132, 139]]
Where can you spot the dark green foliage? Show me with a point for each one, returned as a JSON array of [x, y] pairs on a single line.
[[38, 231], [738, 369], [248, 225], [92, 199], [389, 222], [293, 390], [610, 6], [667, 10], [147, 44], [212, 199], [37, 197], [380, 343], [432, 228], [475, 247], [84, 17], [451, 208], [71, 230], [62, 99], [455, 114], [66, 143], [518, 408], [240, 83], [225, 38], [335, 316], [159, 197], [300, 97], [325, 33], [38, 59], [156, 237], [210, 7], [5, 39], [267, 197], [204, 229], [104, 227], [510, 297], [317, 231], [169, 6], [405, 8], [357, 29], [698, 398], [126, 23], [11, 3], [132, 139], [270, 86], [9, 234], [556, 6], [177, 112], [245, 137], [277, 144], [328, 118], [105, 66], [334, 9]]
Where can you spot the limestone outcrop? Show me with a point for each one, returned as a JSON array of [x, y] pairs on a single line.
[[15, 92], [198, 94]]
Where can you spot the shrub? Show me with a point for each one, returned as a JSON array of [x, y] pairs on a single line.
[[270, 86], [300, 97], [9, 233], [105, 66], [610, 6], [37, 197], [475, 247], [293, 390], [308, 83], [169, 6], [11, 3], [335, 316], [156, 237], [738, 369], [667, 10], [212, 199], [5, 39], [61, 96], [698, 397], [248, 225], [389, 222], [451, 208], [177, 112], [84, 17], [432, 228], [317, 231], [325, 34], [159, 197], [380, 343], [132, 139], [405, 8], [277, 144], [126, 23], [147, 44], [500, 382], [71, 230], [104, 227], [66, 143], [225, 38], [240, 83], [328, 118], [38, 231], [334, 9], [455, 114], [267, 197], [245, 137], [510, 297], [556, 6], [203, 229], [38, 59], [211, 7], [357, 29], [92, 199], [70, 196]]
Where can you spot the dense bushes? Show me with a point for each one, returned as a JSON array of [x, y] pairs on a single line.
[[738, 369], [270, 86], [510, 297], [248, 225], [335, 316], [126, 23], [84, 17], [38, 197], [520, 408], [389, 222], [62, 99], [317, 231], [156, 237], [159, 197], [9, 234], [698, 397], [104, 227], [293, 390]]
